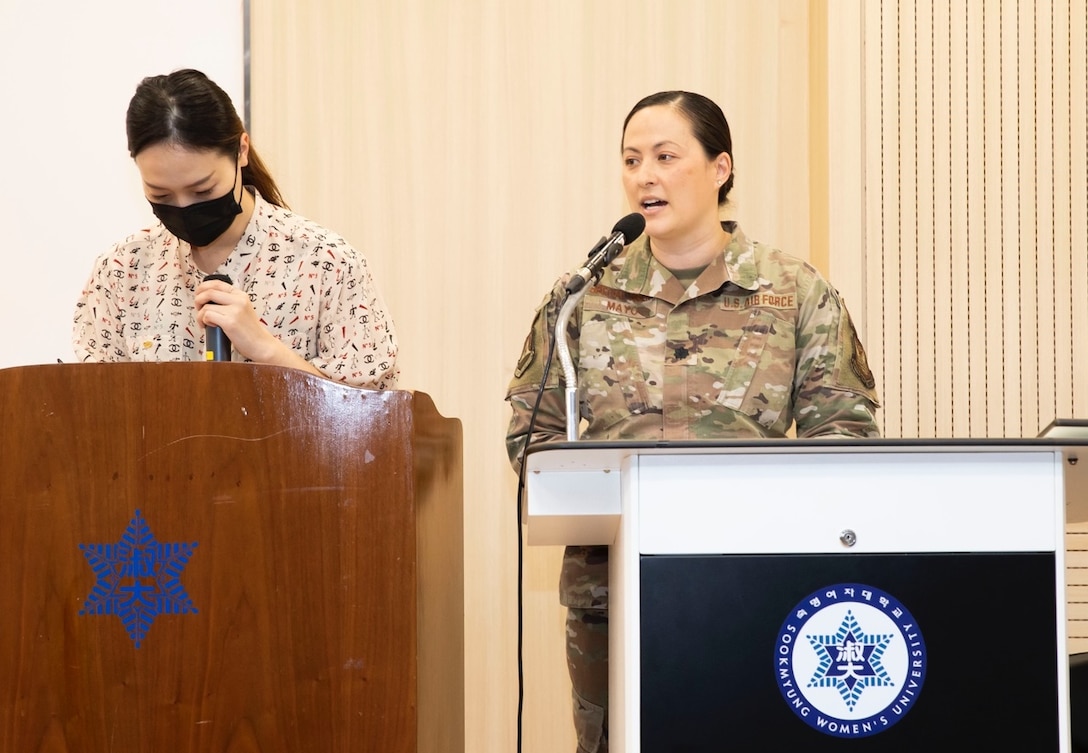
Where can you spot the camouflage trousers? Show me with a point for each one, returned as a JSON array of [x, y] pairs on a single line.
[[587, 662]]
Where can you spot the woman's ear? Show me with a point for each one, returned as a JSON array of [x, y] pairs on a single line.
[[723, 167], [243, 150]]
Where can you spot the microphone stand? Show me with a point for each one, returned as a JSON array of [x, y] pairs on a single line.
[[569, 374], [600, 256]]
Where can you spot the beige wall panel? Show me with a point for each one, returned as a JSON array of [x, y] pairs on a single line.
[[471, 150], [1076, 586], [838, 158], [975, 223], [976, 254], [1077, 60]]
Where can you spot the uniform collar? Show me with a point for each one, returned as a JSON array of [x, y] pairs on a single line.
[[639, 272]]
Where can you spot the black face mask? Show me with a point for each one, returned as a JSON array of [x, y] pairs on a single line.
[[200, 223]]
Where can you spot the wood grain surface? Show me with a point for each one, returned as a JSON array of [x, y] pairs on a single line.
[[300, 497]]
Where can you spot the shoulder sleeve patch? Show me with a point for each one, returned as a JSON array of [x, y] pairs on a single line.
[[528, 353], [530, 367], [859, 364]]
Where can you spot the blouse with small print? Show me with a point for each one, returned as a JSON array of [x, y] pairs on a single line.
[[310, 288]]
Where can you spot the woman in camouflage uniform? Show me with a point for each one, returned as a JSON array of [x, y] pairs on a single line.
[[693, 332]]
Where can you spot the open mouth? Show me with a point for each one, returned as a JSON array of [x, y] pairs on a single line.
[[653, 203]]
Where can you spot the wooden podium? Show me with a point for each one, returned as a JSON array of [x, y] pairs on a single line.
[[227, 557], [825, 595]]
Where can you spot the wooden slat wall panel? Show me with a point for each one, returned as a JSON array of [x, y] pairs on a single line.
[[1076, 586], [976, 209]]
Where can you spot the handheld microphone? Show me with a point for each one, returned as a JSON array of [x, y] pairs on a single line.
[[216, 342], [625, 231]]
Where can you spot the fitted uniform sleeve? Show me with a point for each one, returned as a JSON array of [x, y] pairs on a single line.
[[551, 420], [834, 389], [97, 326], [357, 343]]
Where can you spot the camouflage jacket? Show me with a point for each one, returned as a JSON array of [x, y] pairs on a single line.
[[758, 343]]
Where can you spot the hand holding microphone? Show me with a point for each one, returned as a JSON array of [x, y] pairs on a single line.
[[233, 311], [216, 342], [624, 231]]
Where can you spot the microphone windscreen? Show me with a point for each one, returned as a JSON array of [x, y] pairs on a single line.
[[631, 226], [226, 278]]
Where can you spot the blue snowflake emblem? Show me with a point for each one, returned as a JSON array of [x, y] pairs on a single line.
[[850, 660], [138, 579], [843, 680]]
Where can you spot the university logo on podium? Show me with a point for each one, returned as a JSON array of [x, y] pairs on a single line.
[[138, 578], [850, 660]]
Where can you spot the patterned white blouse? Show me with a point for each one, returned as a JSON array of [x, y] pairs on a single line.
[[311, 289]]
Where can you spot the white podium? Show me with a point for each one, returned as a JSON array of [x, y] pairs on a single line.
[[877, 595]]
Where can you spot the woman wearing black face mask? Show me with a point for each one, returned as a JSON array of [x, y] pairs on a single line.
[[300, 295]]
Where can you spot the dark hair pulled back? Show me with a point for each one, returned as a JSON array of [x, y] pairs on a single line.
[[189, 109]]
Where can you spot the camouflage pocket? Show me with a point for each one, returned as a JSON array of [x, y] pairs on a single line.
[[613, 379], [759, 381], [589, 726]]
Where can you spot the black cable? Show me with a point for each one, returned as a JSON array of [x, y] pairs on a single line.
[[520, 497]]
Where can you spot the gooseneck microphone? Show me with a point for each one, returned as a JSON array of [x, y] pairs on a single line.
[[625, 231], [216, 342]]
